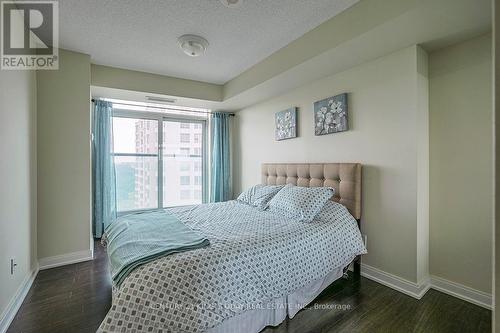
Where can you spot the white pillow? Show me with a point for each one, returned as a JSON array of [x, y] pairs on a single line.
[[334, 211], [259, 195], [302, 203]]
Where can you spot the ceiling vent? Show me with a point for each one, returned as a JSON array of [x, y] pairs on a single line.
[[231, 3], [193, 45], [160, 99]]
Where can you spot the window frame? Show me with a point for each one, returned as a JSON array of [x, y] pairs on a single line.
[[160, 118]]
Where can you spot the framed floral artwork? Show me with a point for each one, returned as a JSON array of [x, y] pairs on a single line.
[[286, 124], [330, 115]]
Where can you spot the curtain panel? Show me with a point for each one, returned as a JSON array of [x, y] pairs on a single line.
[[220, 173], [103, 168]]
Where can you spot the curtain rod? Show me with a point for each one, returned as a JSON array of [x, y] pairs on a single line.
[[163, 108]]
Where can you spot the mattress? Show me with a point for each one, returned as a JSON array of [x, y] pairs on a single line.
[[255, 257]]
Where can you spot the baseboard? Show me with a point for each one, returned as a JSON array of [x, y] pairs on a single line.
[[463, 292], [16, 301], [65, 259], [416, 290]]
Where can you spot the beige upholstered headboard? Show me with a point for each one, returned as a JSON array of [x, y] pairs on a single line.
[[345, 178]]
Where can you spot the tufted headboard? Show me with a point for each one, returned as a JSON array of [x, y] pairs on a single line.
[[345, 178]]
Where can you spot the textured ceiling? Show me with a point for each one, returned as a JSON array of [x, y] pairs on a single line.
[[142, 34]]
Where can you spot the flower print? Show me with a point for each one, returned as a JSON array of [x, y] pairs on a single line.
[[285, 125], [337, 107], [329, 117], [288, 116], [334, 124]]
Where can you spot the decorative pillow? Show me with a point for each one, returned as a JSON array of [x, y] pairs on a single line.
[[302, 203], [259, 195]]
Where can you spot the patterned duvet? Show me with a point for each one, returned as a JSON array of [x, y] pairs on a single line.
[[254, 256]]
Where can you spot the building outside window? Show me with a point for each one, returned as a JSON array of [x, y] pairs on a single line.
[[185, 194], [141, 184], [184, 180]]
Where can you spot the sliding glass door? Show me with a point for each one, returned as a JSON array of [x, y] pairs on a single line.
[[135, 144], [150, 175], [182, 162]]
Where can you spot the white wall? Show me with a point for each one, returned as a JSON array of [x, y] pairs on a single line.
[[129, 80], [64, 183], [18, 182], [461, 177], [384, 105]]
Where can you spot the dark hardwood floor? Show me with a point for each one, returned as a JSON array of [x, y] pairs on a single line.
[[75, 298]]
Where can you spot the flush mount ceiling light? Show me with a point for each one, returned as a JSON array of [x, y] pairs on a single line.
[[231, 3], [193, 45]]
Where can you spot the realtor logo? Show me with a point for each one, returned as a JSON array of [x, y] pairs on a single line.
[[30, 35]]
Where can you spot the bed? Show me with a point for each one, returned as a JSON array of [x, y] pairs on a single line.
[[259, 268]]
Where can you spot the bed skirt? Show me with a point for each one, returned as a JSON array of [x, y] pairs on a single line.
[[274, 312]]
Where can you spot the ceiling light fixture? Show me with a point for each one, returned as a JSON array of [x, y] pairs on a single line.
[[193, 45], [231, 3]]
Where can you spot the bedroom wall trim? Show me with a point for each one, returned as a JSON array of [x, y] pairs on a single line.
[[16, 301], [418, 290], [465, 293], [65, 259], [415, 290]]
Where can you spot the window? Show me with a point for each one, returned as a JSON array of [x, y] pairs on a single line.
[[185, 138], [174, 156], [136, 163], [141, 183], [184, 180]]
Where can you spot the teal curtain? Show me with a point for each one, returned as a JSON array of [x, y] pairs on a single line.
[[220, 173], [103, 175]]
